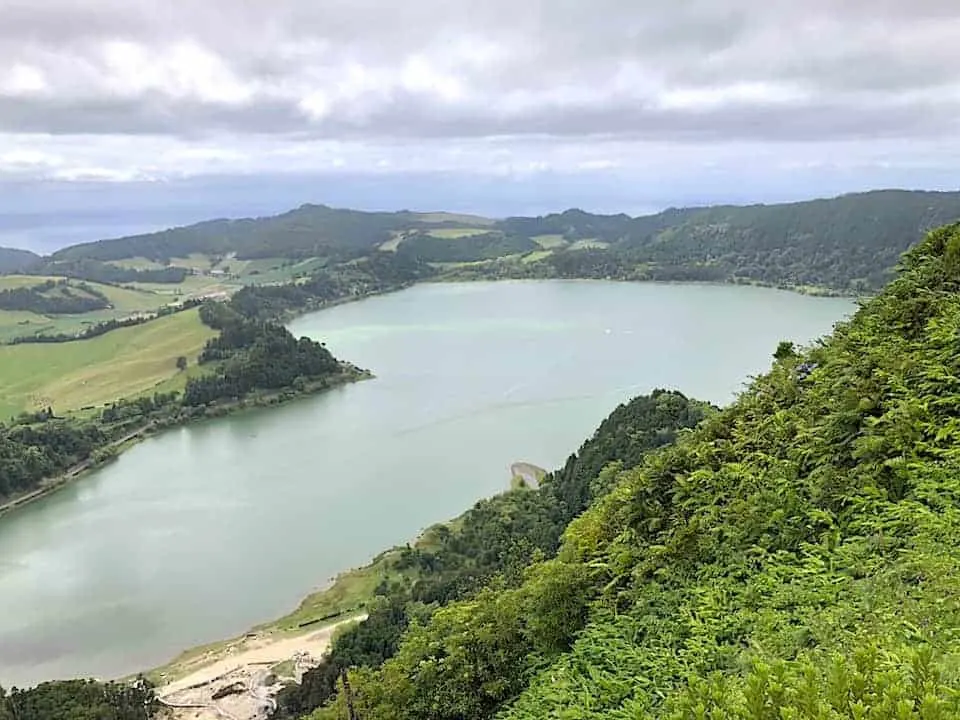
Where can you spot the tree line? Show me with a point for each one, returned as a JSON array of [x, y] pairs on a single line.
[[85, 268], [845, 244], [251, 355], [54, 297], [248, 357], [80, 700], [792, 556], [380, 272], [493, 542], [102, 328]]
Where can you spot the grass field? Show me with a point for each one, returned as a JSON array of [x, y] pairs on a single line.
[[126, 302], [10, 282], [192, 285], [536, 255], [440, 217], [452, 233], [196, 261], [589, 245], [392, 244], [548, 242], [137, 263], [122, 363]]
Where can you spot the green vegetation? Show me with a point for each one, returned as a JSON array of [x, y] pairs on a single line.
[[455, 232], [122, 363], [15, 261], [89, 304], [241, 361], [80, 700], [847, 244], [464, 248], [451, 219], [54, 297], [490, 543], [311, 230], [536, 256], [91, 269], [793, 557], [380, 272], [252, 355], [285, 669], [589, 244], [549, 242]]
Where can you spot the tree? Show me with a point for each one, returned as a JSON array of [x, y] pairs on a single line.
[[785, 350], [181, 363]]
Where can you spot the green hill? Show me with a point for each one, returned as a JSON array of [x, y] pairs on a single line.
[[794, 557], [121, 363], [845, 244], [14, 261], [849, 243], [310, 230]]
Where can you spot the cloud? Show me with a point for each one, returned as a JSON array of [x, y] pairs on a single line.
[[238, 82]]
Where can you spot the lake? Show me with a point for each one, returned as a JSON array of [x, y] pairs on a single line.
[[204, 531]]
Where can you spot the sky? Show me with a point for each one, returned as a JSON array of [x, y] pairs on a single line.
[[129, 113]]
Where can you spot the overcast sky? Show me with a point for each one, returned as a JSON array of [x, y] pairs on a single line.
[[715, 94]]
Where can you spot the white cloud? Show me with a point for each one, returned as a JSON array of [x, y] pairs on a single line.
[[23, 79], [183, 70], [156, 88]]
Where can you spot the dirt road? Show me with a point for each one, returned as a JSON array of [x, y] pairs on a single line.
[[245, 675]]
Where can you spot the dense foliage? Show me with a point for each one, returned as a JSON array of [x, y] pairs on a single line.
[[248, 356], [310, 230], [845, 244], [571, 225], [380, 272], [42, 446], [16, 261], [108, 273], [54, 297], [794, 556], [102, 328], [486, 246], [497, 538], [254, 355], [850, 243], [80, 700]]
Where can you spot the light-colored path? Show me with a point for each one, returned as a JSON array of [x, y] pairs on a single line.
[[245, 667]]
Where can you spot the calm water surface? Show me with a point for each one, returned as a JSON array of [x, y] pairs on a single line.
[[202, 532]]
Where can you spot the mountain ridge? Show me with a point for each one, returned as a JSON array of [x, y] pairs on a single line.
[[849, 243], [794, 556]]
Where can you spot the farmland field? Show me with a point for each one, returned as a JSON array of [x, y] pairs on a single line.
[[122, 363], [548, 242], [126, 301], [451, 233], [589, 245]]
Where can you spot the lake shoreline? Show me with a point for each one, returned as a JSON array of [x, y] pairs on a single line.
[[326, 601], [110, 452]]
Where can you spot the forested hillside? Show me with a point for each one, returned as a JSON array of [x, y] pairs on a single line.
[[310, 230], [493, 541], [79, 700], [794, 556], [54, 297], [15, 261], [248, 358], [846, 244]]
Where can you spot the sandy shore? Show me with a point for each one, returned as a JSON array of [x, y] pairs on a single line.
[[245, 674]]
